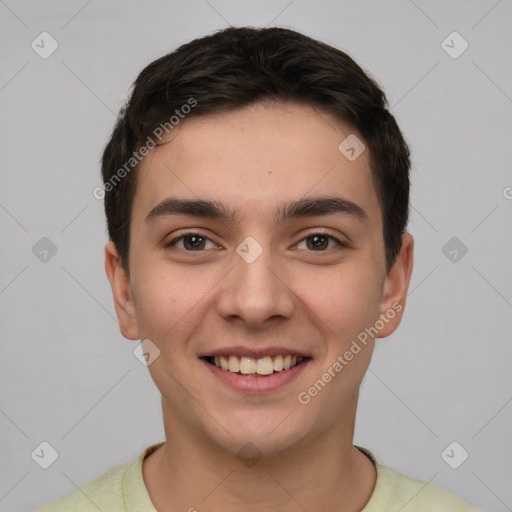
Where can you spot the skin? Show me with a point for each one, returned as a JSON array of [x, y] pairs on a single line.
[[294, 295]]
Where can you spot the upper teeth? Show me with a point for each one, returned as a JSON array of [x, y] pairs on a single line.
[[263, 366]]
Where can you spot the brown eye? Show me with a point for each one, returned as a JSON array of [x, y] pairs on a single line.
[[319, 242], [193, 242], [189, 242]]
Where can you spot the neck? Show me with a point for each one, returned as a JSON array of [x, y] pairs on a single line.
[[327, 473]]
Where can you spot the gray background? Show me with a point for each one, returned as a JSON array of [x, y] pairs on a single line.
[[68, 377]]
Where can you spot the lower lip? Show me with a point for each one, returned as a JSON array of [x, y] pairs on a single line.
[[259, 384]]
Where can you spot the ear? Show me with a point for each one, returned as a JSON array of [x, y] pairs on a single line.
[[123, 301], [395, 288]]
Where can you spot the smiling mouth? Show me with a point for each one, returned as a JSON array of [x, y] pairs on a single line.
[[251, 367]]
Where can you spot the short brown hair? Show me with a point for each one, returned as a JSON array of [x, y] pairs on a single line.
[[236, 67]]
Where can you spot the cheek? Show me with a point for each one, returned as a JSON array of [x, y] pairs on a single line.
[[172, 303], [163, 299], [346, 300]]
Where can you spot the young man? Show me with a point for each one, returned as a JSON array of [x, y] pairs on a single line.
[[257, 197]]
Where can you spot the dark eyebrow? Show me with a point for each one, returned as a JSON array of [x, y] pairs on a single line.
[[305, 207], [314, 206], [194, 207]]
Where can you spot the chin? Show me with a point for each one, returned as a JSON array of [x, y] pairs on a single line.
[[254, 436]]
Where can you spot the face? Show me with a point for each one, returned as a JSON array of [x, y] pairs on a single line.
[[256, 242]]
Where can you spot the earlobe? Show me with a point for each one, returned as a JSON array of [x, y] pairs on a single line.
[[123, 301], [395, 287]]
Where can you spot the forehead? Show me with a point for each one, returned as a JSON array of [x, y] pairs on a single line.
[[252, 157]]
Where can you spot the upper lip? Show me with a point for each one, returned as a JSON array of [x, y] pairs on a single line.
[[255, 353]]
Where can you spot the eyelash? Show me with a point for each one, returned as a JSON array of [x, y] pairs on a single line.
[[173, 242]]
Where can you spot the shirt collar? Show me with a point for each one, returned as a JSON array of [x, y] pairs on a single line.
[[136, 496]]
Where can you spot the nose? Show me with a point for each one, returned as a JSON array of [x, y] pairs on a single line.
[[255, 292]]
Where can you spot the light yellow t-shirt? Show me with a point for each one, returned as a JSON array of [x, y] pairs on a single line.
[[122, 489]]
